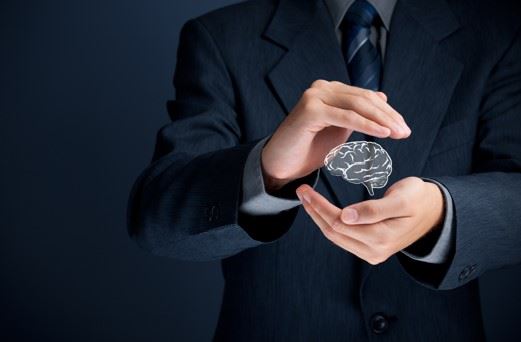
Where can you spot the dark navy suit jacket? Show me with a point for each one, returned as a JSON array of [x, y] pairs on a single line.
[[452, 69]]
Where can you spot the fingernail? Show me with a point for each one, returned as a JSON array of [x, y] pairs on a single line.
[[349, 215]]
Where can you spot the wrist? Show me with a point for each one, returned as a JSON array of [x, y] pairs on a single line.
[[272, 184], [436, 205], [272, 180]]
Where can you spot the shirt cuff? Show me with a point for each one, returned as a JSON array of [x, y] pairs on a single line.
[[255, 199], [440, 252]]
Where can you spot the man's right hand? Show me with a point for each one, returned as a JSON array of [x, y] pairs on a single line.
[[325, 116]]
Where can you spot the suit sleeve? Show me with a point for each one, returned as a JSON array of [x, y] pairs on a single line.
[[185, 204], [487, 210]]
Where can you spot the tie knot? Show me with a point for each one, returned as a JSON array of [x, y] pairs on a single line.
[[361, 13]]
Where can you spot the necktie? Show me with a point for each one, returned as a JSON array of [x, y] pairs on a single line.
[[362, 57]]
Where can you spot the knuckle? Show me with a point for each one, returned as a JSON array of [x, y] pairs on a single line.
[[377, 258], [358, 102], [373, 96], [366, 125], [417, 181], [371, 211], [312, 104], [369, 94], [332, 239], [401, 200], [310, 93], [337, 226], [373, 260], [327, 233], [319, 83], [347, 116]]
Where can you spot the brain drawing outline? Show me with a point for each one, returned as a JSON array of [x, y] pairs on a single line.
[[360, 162]]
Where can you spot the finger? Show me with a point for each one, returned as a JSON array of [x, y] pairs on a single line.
[[349, 89], [354, 121], [373, 211], [369, 234], [354, 246], [380, 100], [366, 103], [327, 216], [342, 87], [382, 95], [371, 107], [329, 212]]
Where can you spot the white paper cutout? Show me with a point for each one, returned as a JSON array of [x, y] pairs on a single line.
[[360, 162]]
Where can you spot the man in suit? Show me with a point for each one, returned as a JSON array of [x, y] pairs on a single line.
[[264, 89]]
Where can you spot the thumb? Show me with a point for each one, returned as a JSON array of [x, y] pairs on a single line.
[[371, 211]]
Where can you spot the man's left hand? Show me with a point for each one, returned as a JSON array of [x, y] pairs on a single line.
[[374, 230]]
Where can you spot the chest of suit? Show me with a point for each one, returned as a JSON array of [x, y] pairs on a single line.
[[429, 76]]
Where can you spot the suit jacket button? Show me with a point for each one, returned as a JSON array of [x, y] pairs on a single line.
[[212, 213], [379, 323]]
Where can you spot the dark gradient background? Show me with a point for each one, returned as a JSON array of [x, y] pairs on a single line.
[[83, 86]]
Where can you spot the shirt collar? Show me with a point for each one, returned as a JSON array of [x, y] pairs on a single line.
[[338, 8]]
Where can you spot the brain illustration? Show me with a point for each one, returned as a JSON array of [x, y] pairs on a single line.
[[360, 162]]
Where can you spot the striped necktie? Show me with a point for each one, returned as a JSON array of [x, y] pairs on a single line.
[[362, 57]]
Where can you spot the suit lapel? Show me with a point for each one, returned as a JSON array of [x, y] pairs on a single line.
[[305, 30]]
